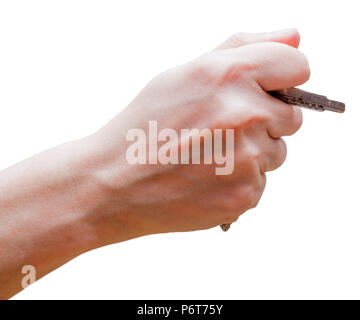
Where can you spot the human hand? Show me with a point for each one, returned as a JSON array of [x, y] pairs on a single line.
[[223, 89]]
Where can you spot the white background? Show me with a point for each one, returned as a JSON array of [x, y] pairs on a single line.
[[67, 67]]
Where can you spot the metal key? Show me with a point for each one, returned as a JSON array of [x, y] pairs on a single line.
[[308, 100], [304, 99]]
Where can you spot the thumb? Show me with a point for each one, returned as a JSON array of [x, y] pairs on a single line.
[[290, 37]]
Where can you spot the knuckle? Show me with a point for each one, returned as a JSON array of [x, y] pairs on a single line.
[[295, 118], [258, 183], [251, 155], [237, 39], [299, 62], [257, 191], [279, 155], [303, 67], [282, 151], [300, 66], [223, 68], [255, 117], [253, 202], [238, 70], [251, 196], [204, 70]]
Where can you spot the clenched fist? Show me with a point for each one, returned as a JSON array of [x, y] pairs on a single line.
[[222, 89]]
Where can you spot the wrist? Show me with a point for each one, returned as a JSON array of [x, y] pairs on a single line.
[[100, 178]]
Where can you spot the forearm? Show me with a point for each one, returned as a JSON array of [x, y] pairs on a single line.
[[48, 212]]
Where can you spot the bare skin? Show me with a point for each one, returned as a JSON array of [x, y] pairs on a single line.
[[84, 194]]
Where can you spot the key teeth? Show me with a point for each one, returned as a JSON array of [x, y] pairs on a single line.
[[308, 100]]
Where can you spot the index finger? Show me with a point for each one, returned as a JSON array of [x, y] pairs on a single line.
[[276, 66]]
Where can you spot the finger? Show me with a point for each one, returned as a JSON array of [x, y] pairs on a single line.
[[290, 37], [280, 119], [273, 156], [233, 199], [274, 65], [269, 153], [286, 119]]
